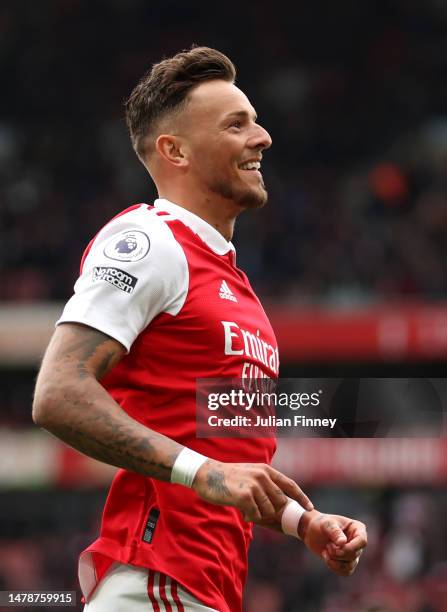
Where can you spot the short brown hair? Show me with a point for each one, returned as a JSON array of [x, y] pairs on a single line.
[[164, 89]]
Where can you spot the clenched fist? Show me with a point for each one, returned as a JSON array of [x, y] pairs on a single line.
[[339, 540]]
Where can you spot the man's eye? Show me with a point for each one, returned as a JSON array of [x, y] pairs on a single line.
[[236, 124]]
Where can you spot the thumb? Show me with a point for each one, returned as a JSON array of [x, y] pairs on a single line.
[[334, 533]]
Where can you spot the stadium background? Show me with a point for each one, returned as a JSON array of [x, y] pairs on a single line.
[[349, 256]]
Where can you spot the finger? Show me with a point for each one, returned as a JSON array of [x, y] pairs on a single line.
[[277, 497], [248, 507], [251, 513], [290, 488], [342, 568], [356, 529], [340, 554], [341, 551], [333, 531], [358, 542], [265, 506]]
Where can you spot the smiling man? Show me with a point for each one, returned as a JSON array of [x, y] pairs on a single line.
[[155, 308]]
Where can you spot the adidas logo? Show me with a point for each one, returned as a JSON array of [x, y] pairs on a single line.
[[225, 292]]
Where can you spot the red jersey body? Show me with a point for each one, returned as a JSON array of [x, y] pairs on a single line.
[[190, 311]]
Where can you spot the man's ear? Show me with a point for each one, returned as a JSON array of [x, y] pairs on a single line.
[[171, 149]]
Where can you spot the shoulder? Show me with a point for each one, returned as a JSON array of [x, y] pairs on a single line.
[[133, 270], [136, 234]]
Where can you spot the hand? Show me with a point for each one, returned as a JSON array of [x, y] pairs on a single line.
[[256, 489], [337, 539]]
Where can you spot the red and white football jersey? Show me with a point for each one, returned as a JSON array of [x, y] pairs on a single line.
[[164, 283]]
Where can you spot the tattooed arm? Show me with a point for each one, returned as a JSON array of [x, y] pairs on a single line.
[[71, 403]]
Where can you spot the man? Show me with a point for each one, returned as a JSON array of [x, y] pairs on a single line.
[[150, 316]]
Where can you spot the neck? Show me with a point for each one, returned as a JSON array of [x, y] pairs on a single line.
[[216, 211]]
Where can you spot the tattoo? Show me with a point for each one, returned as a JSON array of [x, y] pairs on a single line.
[[323, 517], [105, 437], [85, 349], [216, 482], [104, 364], [78, 410], [82, 345]]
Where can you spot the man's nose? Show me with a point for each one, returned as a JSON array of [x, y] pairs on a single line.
[[261, 139]]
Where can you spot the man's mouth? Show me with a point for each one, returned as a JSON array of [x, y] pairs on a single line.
[[251, 165]]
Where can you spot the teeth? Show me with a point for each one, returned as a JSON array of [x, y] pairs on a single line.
[[250, 166]]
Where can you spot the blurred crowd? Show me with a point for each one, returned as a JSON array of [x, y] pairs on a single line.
[[353, 94], [403, 569]]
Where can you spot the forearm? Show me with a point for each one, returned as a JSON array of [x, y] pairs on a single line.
[[83, 414]]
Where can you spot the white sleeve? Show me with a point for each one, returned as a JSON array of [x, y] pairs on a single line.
[[134, 271]]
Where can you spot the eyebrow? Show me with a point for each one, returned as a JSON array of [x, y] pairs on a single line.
[[243, 114]]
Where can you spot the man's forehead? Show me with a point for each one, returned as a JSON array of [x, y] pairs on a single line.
[[220, 98]]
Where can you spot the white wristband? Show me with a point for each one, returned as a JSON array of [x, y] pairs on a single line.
[[186, 467], [291, 517]]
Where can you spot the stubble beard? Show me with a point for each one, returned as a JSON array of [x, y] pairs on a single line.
[[245, 198]]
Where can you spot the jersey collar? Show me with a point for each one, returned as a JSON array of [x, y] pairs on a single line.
[[210, 236]]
